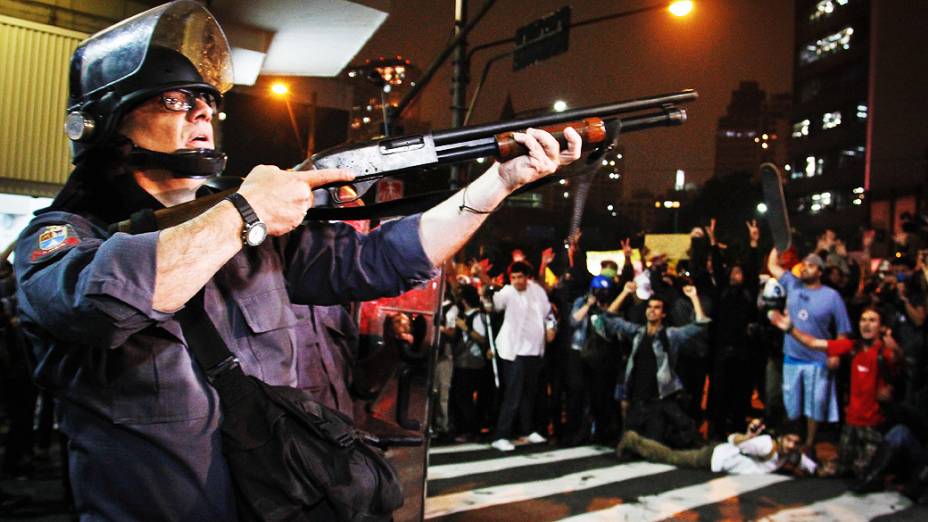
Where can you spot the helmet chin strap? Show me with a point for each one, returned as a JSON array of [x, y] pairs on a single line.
[[182, 163]]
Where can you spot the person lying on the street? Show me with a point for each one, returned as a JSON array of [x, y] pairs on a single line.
[[752, 452]]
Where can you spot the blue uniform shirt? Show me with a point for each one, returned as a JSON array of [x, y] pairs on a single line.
[[142, 421], [819, 312]]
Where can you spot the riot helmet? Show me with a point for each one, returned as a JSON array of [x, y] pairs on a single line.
[[178, 45]]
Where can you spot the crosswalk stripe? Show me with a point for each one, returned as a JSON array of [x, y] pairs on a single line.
[[441, 450], [664, 505], [845, 507], [493, 496], [487, 466]]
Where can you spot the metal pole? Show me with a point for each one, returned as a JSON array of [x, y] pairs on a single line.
[[311, 138], [459, 81], [296, 128], [439, 60]]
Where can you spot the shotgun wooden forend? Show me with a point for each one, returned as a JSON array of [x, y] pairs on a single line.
[[592, 130]]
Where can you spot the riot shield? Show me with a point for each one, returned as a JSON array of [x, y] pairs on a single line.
[[392, 381]]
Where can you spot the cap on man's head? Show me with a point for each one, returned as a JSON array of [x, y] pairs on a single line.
[[814, 259]]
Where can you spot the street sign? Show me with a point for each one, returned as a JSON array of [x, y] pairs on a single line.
[[542, 39]]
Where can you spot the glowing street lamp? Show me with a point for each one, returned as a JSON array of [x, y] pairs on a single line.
[[681, 8], [281, 90]]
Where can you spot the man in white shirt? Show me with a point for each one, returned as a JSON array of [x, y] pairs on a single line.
[[743, 453], [520, 346]]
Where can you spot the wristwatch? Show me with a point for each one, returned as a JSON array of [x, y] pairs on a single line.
[[255, 230]]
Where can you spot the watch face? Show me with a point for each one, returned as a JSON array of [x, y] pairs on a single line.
[[255, 234]]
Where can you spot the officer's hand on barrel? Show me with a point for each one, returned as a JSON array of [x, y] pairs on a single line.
[[281, 198], [544, 156]]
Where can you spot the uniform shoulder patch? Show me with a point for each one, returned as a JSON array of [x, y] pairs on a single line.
[[54, 238]]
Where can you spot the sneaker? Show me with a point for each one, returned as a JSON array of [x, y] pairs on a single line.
[[536, 438], [502, 445]]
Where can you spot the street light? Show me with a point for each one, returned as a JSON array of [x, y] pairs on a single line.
[[281, 90], [677, 8], [681, 8]]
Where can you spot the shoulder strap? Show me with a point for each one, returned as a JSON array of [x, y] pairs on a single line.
[[204, 341]]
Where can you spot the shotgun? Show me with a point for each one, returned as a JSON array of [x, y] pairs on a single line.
[[599, 126]]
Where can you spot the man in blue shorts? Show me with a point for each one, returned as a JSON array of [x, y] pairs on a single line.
[[808, 384]]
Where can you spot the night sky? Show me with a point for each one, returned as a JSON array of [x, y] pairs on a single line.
[[721, 43]]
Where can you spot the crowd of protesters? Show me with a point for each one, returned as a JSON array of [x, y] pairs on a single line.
[[668, 360], [681, 357]]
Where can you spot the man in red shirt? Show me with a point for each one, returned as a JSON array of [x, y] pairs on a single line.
[[873, 360]]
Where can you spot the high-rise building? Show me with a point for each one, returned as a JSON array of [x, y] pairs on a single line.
[[857, 144], [829, 118], [380, 84], [752, 130]]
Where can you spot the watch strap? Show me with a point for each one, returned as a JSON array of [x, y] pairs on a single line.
[[241, 204]]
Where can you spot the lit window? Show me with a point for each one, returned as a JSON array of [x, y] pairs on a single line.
[[801, 129], [825, 8], [823, 47], [862, 112], [831, 120], [814, 166]]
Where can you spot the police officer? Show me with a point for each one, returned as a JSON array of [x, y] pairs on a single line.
[[142, 420]]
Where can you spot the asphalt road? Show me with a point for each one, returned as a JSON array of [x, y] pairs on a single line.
[[472, 482]]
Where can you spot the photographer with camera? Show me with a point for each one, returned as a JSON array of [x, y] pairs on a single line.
[[902, 294], [592, 365], [749, 453]]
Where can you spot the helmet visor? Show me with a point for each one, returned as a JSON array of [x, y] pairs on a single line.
[[119, 51]]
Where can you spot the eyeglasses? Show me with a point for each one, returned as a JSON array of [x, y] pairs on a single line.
[[184, 100]]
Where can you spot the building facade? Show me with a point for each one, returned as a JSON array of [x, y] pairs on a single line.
[[857, 148], [752, 131]]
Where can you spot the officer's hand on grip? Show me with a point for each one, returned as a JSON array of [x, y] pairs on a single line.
[[281, 198]]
